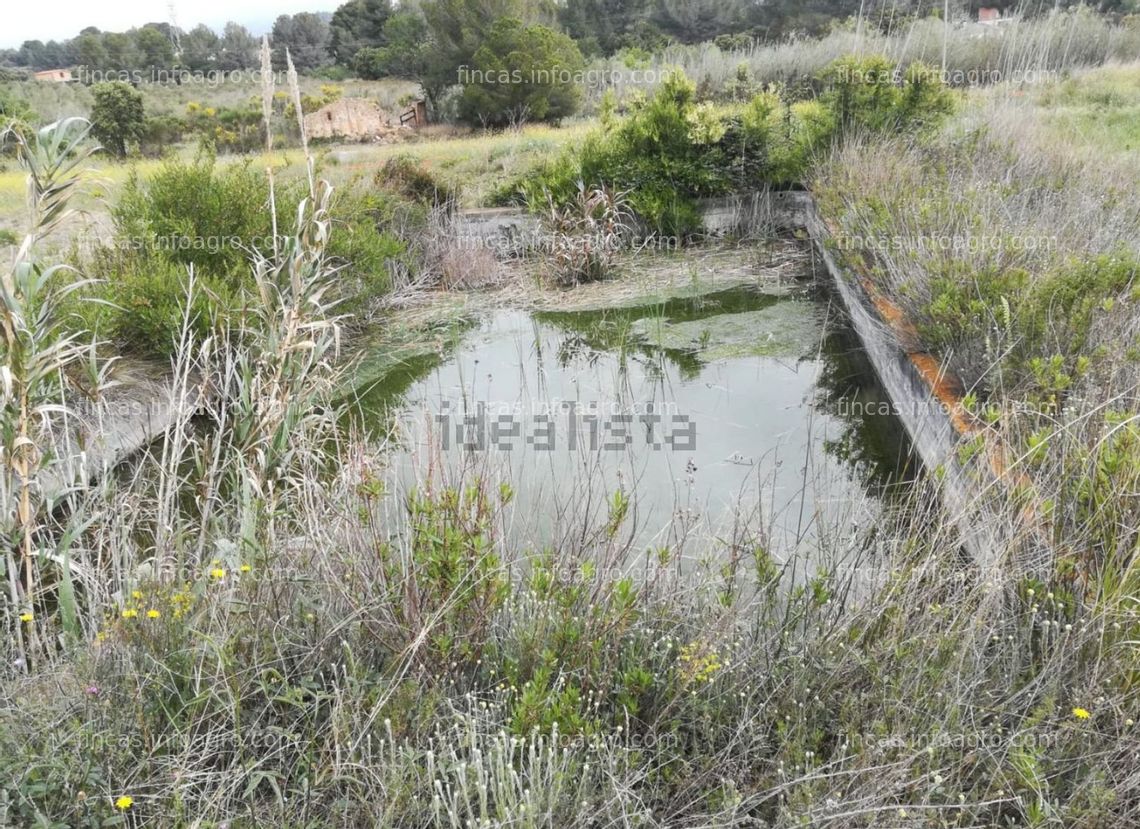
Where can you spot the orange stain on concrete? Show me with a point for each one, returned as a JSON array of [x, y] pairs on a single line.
[[948, 390]]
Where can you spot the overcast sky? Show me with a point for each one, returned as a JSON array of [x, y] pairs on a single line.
[[61, 19]]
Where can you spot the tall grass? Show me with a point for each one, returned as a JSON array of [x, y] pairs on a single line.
[[42, 362], [1026, 50], [391, 659], [1015, 248]]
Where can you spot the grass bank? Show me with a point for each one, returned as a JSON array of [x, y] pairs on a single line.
[[1012, 240]]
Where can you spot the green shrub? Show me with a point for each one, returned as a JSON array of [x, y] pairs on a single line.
[[861, 91], [231, 129], [965, 297], [196, 214], [210, 217], [925, 99], [149, 296], [668, 212], [369, 237], [15, 114], [666, 155], [870, 93], [671, 150], [1056, 314], [160, 133], [1045, 319], [781, 138], [187, 215], [405, 175]]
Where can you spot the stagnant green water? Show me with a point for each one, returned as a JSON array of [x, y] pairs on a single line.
[[705, 411]]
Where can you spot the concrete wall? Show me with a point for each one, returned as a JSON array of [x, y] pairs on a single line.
[[926, 411], [101, 435], [511, 231], [507, 231]]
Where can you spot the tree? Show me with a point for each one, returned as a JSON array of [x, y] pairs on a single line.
[[460, 27], [39, 55], [522, 73], [89, 50], [155, 51], [12, 108], [117, 118], [694, 21], [237, 48], [16, 118], [358, 24], [457, 29], [307, 38], [778, 18], [121, 51], [410, 52], [200, 48], [605, 26]]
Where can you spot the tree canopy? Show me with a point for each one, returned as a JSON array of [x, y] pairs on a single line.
[[117, 118], [358, 24], [522, 73], [306, 36]]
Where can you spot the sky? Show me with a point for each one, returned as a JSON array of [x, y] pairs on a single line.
[[62, 19]]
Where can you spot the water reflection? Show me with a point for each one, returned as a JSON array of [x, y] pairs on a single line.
[[564, 403]]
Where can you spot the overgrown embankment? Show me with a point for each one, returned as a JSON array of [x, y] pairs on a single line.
[[1012, 241]]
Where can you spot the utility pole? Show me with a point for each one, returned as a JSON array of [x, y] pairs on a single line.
[[174, 38], [945, 32]]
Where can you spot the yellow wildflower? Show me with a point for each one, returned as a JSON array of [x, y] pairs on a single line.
[[245, 568], [218, 573], [130, 613], [136, 594], [152, 614], [125, 802], [699, 662], [1081, 713], [26, 617]]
